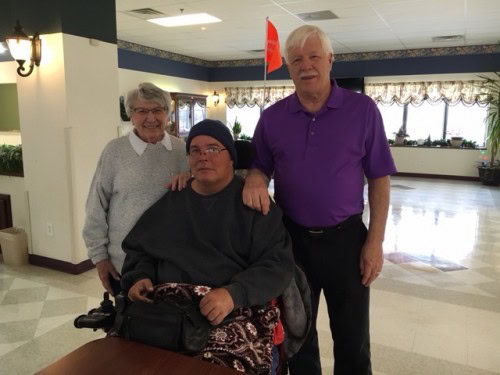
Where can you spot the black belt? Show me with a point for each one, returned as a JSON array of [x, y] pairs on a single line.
[[321, 231]]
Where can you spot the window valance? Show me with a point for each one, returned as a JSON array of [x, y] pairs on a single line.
[[452, 92], [252, 96]]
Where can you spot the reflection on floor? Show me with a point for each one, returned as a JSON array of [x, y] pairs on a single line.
[[435, 307]]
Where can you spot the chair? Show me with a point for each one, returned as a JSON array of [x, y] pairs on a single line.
[[244, 153]]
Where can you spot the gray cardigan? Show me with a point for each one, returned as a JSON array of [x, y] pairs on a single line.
[[125, 184]]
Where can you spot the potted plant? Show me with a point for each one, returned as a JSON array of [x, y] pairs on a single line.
[[236, 129], [489, 170], [456, 140], [245, 137], [400, 137], [11, 160]]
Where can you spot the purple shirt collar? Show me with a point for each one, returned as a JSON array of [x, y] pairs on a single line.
[[335, 100]]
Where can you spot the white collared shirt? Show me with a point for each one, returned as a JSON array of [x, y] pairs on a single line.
[[139, 145]]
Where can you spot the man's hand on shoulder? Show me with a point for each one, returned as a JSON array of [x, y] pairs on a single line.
[[105, 270], [255, 193], [178, 182], [216, 305], [140, 290]]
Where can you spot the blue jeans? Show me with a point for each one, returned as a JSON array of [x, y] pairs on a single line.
[[276, 360]]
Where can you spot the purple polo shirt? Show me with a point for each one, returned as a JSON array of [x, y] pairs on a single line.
[[318, 160]]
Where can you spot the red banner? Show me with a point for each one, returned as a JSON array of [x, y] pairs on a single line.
[[273, 54]]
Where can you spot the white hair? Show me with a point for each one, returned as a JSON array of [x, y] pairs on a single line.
[[299, 36], [148, 91]]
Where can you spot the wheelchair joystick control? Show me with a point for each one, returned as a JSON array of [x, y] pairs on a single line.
[[100, 318]]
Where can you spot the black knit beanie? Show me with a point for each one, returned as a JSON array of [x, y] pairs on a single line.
[[214, 129]]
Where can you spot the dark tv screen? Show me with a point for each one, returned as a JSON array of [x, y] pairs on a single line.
[[354, 84]]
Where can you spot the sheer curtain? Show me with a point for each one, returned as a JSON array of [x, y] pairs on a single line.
[[252, 96], [451, 92]]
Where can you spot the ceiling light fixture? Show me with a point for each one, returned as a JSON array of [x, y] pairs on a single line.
[[185, 20], [215, 98], [23, 48]]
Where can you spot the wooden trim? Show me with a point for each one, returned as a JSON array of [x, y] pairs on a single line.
[[12, 174], [442, 176], [59, 265]]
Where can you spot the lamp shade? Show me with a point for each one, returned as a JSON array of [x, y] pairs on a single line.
[[215, 98], [20, 48]]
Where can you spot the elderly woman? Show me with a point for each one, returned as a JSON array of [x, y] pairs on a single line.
[[131, 175]]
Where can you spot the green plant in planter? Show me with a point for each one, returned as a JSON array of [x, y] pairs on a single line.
[[469, 144], [236, 128], [245, 137], [400, 136], [489, 171], [440, 142], [11, 159], [428, 141], [492, 119]]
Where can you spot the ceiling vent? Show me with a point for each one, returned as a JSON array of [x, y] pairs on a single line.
[[317, 16], [144, 13], [448, 38]]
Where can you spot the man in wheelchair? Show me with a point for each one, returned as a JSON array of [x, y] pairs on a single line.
[[204, 246]]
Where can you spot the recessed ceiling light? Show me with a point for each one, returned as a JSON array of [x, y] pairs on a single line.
[[185, 20]]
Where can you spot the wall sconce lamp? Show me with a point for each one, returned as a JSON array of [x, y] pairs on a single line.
[[23, 48], [215, 98]]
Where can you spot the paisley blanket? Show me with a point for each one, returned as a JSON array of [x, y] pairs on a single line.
[[243, 341]]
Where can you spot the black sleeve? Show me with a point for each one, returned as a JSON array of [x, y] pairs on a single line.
[[271, 263], [140, 263]]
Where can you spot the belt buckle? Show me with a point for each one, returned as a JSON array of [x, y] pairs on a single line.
[[315, 232]]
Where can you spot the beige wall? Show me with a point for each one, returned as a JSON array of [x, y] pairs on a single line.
[[68, 112], [444, 161]]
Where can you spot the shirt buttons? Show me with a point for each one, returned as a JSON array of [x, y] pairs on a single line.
[[312, 133], [314, 118]]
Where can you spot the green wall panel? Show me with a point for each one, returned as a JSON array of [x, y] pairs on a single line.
[[9, 108]]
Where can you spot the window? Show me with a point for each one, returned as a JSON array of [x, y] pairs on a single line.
[[393, 118], [431, 119], [467, 122], [248, 117], [424, 120]]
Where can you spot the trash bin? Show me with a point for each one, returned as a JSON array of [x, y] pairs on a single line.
[[14, 246]]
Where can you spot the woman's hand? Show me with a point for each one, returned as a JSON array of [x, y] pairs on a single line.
[[178, 181]]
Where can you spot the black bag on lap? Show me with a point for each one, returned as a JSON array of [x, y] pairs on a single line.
[[166, 324]]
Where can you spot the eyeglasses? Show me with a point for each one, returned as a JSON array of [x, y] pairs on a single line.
[[211, 151], [157, 111]]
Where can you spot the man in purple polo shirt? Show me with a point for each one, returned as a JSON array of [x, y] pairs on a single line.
[[318, 144]]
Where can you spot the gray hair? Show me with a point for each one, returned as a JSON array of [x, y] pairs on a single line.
[[148, 91], [299, 36]]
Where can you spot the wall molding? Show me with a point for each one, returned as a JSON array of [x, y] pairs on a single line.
[[440, 176], [342, 57], [60, 265]]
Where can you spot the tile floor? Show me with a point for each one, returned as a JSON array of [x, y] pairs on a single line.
[[435, 308]]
